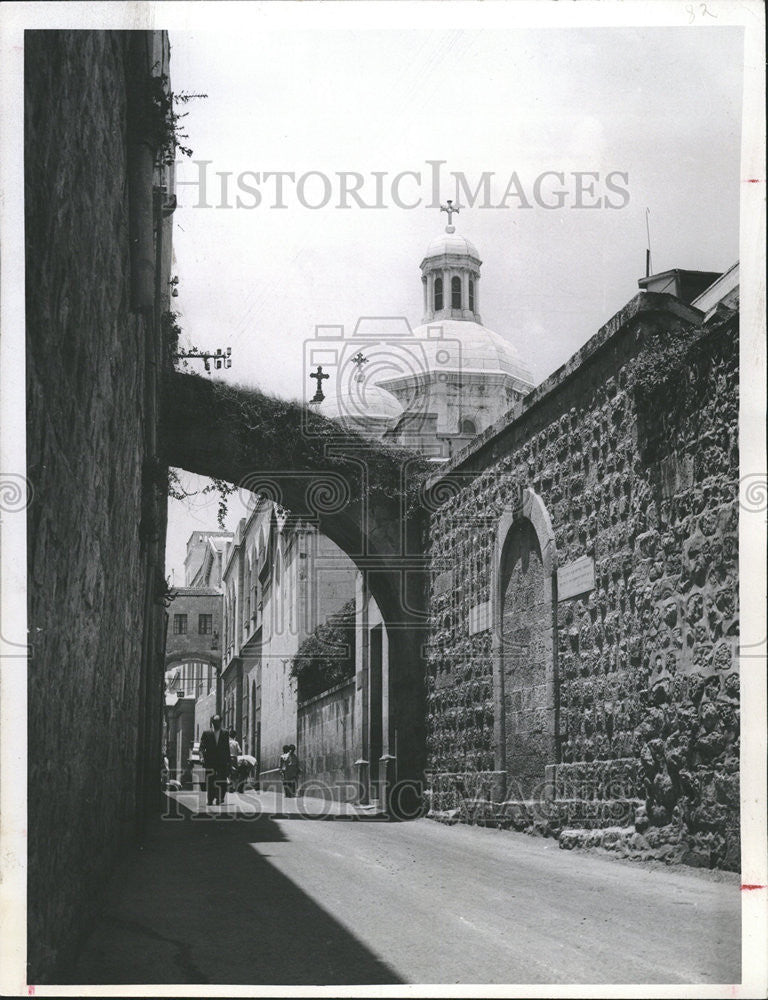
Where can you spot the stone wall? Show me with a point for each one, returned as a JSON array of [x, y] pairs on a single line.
[[642, 483], [96, 524], [326, 743]]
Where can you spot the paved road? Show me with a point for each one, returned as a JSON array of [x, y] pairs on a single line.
[[265, 901]]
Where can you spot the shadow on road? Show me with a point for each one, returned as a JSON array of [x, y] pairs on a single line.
[[196, 904]]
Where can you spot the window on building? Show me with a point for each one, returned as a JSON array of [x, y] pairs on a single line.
[[455, 293], [472, 294], [179, 624], [438, 294], [245, 725], [468, 427], [205, 624]]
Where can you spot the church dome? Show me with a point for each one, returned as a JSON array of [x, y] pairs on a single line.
[[451, 243], [360, 402], [466, 346]]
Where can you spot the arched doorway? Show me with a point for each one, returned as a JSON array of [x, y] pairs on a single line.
[[525, 648]]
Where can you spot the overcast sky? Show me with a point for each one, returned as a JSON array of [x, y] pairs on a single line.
[[659, 105]]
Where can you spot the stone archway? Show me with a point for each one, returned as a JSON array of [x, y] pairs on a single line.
[[351, 489], [524, 646]]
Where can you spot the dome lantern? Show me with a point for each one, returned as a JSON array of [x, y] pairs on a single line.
[[450, 275]]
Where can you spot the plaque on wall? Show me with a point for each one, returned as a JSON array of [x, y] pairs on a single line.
[[480, 618], [677, 474], [577, 577]]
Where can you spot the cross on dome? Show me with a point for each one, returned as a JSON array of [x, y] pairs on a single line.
[[451, 211], [359, 360], [319, 376]]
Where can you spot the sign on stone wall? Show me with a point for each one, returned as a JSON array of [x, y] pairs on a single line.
[[577, 577], [443, 582], [480, 618], [677, 474]]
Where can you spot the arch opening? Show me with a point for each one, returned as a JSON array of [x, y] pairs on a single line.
[[456, 292], [525, 647], [210, 430], [438, 294]]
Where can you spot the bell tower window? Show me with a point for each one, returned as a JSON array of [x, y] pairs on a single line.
[[456, 293], [438, 294], [471, 294]]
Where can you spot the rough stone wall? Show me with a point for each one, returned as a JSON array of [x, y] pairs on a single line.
[[646, 661], [88, 524], [326, 742]]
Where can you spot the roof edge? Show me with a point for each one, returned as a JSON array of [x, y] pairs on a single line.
[[643, 302]]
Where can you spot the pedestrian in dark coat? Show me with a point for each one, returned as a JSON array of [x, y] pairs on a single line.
[[289, 769], [214, 751]]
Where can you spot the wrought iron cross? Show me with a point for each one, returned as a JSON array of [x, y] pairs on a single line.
[[318, 376], [359, 360], [450, 210]]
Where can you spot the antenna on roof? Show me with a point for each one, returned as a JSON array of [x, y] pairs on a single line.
[[648, 251]]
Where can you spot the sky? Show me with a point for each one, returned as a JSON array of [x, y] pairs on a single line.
[[658, 110]]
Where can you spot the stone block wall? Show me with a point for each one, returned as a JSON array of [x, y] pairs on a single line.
[[326, 743], [97, 518], [645, 661]]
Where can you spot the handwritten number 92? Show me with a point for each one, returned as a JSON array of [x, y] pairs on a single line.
[[691, 10]]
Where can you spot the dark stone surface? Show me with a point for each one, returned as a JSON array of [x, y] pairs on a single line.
[[647, 661], [95, 668]]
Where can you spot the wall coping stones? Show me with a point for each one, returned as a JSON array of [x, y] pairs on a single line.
[[196, 592], [326, 694]]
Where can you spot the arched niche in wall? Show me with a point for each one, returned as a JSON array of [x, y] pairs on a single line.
[[524, 647]]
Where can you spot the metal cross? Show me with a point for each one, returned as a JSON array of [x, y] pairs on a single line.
[[359, 360], [449, 209], [318, 376]]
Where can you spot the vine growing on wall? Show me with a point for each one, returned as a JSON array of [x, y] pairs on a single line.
[[162, 124], [171, 331], [327, 656], [393, 472], [662, 365], [177, 491], [669, 375]]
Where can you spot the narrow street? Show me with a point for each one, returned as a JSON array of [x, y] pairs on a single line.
[[223, 898]]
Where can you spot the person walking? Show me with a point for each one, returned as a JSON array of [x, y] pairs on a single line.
[[234, 753], [283, 764], [289, 767], [217, 761], [289, 770]]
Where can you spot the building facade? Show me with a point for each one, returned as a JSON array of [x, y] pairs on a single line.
[[281, 579], [583, 658], [193, 649]]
